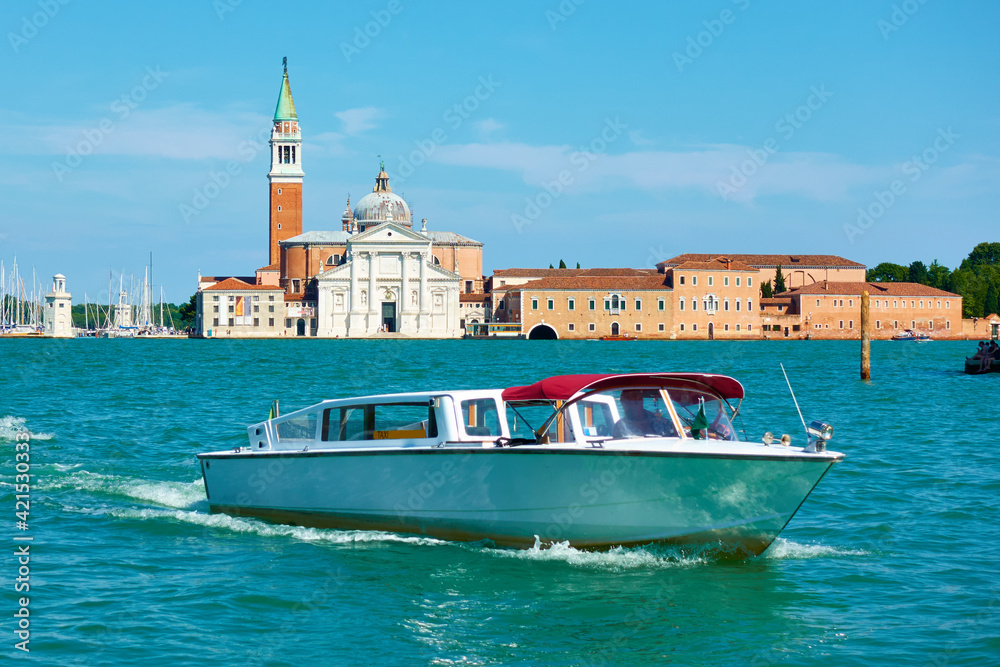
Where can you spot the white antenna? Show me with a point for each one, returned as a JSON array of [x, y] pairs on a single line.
[[795, 401]]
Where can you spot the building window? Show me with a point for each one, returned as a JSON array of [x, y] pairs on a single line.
[[534, 303], [571, 326], [279, 191], [895, 324], [930, 324], [694, 280], [694, 327], [725, 305], [681, 279], [817, 303], [878, 324], [947, 305], [680, 303], [841, 324], [571, 304], [738, 327], [256, 321], [551, 304], [694, 304], [661, 304], [215, 321], [232, 309], [913, 324], [638, 304], [660, 326], [737, 304], [749, 305], [710, 281], [638, 327], [215, 309], [738, 282], [947, 323], [256, 309], [270, 298], [682, 326], [215, 297], [270, 309], [725, 327], [895, 304], [279, 208], [749, 281], [912, 304], [270, 321], [288, 323], [725, 281], [591, 327], [592, 304], [850, 324], [850, 303]]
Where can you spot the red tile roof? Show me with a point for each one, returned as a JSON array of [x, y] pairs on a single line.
[[475, 297], [768, 261], [874, 289], [563, 273], [235, 285], [722, 263], [611, 283], [272, 267]]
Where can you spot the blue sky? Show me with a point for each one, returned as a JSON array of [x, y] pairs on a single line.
[[610, 134]]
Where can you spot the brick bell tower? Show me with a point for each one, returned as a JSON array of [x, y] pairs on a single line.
[[286, 174]]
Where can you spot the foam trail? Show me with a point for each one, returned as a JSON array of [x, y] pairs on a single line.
[[615, 559], [782, 549], [10, 426], [170, 494], [252, 526]]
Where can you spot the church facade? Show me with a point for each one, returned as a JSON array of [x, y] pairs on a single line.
[[375, 276]]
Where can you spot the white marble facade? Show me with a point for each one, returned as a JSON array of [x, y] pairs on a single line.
[[390, 283]]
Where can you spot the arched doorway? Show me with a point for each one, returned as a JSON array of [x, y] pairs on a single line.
[[614, 329], [542, 332], [300, 327], [711, 331]]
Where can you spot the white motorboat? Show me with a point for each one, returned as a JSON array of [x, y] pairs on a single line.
[[593, 460]]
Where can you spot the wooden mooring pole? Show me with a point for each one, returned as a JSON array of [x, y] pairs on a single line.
[[866, 339]]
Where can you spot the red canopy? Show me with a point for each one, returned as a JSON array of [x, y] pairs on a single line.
[[564, 387]]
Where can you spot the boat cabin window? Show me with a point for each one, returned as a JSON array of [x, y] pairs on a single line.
[[385, 421], [524, 417], [297, 428], [643, 412], [703, 415], [597, 418], [480, 417]]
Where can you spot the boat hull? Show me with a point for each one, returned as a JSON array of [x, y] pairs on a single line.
[[973, 367], [591, 498]]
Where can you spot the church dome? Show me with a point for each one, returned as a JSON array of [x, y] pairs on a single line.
[[381, 205]]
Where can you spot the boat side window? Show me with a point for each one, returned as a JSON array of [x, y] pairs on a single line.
[[523, 418], [643, 413], [297, 428], [388, 421], [480, 417], [596, 418]]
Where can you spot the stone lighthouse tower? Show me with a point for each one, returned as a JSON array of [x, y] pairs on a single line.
[[58, 310], [286, 173]]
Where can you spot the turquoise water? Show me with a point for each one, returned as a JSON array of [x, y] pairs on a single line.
[[892, 560]]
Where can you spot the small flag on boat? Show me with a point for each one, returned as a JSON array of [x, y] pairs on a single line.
[[274, 409], [700, 422]]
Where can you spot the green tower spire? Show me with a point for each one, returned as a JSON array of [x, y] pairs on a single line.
[[286, 106]]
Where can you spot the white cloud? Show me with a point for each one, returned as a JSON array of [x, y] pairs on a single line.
[[816, 176], [359, 120], [635, 136], [487, 128]]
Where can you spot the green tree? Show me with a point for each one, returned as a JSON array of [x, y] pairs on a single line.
[[779, 281], [765, 290], [982, 254], [887, 272], [187, 312], [938, 275], [562, 264], [918, 273], [992, 304], [578, 265]]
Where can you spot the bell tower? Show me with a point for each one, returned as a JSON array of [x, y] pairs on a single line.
[[285, 177]]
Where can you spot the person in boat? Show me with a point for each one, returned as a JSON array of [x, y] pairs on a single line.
[[637, 422], [991, 353]]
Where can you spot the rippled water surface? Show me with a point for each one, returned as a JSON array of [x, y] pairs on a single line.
[[892, 560]]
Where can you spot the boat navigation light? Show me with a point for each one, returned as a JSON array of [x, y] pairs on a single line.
[[768, 438], [786, 440], [820, 430]]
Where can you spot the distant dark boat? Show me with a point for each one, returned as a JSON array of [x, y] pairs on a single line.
[[620, 337]]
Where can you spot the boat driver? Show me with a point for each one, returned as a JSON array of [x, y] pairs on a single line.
[[637, 422]]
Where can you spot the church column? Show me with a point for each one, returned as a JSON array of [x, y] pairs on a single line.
[[355, 316], [404, 296], [425, 296], [373, 298]]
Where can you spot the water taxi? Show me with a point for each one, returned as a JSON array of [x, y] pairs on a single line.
[[593, 460]]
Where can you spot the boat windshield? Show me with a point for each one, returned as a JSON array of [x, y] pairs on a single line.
[[703, 414]]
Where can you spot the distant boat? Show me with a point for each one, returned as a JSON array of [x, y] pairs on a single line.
[[620, 337], [974, 364], [910, 335]]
